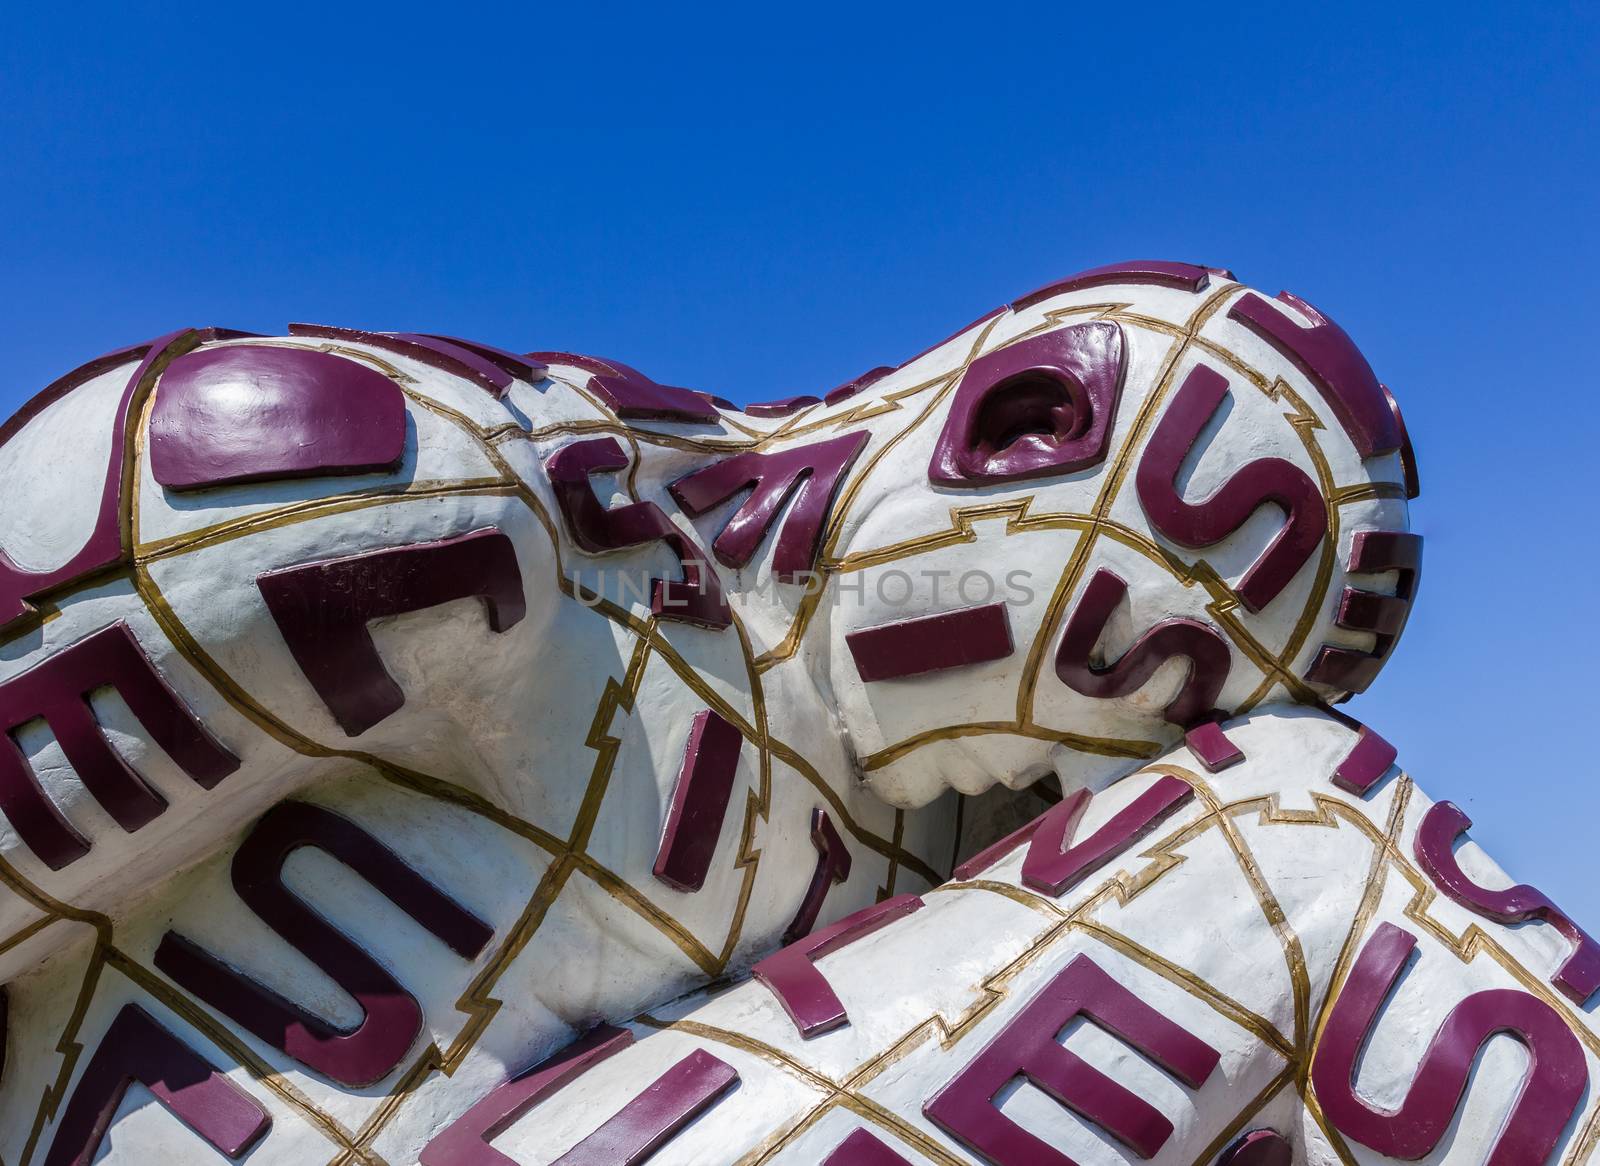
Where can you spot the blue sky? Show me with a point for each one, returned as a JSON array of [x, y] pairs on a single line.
[[760, 200]]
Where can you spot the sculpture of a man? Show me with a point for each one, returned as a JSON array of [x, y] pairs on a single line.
[[423, 752]]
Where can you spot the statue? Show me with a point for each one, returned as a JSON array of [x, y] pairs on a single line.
[[420, 752]]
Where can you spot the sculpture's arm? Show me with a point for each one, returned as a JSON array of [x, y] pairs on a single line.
[[1187, 967]]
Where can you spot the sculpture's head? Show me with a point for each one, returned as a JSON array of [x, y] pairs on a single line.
[[1134, 500], [1112, 510]]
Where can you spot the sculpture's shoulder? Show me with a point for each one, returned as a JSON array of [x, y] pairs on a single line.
[[200, 529], [1164, 966], [151, 496]]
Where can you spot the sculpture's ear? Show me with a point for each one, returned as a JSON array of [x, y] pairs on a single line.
[[1036, 408]]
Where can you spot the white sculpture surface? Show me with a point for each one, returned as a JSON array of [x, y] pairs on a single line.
[[944, 771]]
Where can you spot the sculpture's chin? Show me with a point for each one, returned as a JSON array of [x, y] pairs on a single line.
[[970, 765], [1075, 770]]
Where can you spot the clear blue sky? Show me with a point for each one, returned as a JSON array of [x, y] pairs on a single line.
[[766, 199]]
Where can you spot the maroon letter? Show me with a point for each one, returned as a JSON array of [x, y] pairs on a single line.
[[525, 367], [697, 597], [794, 979], [965, 1108], [470, 361], [850, 388], [57, 691], [1212, 746], [782, 407], [862, 1149], [699, 802], [1207, 652], [1368, 760], [253, 413], [651, 1119], [1256, 483], [1157, 272], [104, 547], [1579, 976], [1054, 863], [931, 643], [1372, 552], [393, 1018], [810, 474], [1326, 354], [631, 394], [833, 866], [466, 1141], [136, 1048], [1550, 1091], [323, 609]]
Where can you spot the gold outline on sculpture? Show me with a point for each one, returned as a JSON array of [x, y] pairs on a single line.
[[649, 640], [1019, 520], [839, 512], [993, 990], [309, 510], [1111, 486], [648, 637], [1475, 940]]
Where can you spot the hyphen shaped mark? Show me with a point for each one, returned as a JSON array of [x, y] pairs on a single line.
[[699, 802], [1445, 823], [657, 1114], [1200, 644], [792, 975], [1259, 482], [256, 413], [807, 474], [465, 1142], [931, 643], [697, 598], [1551, 1089], [833, 866], [323, 608], [1057, 860], [57, 691], [137, 1048], [628, 1138], [1325, 353], [966, 1107], [392, 1018]]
